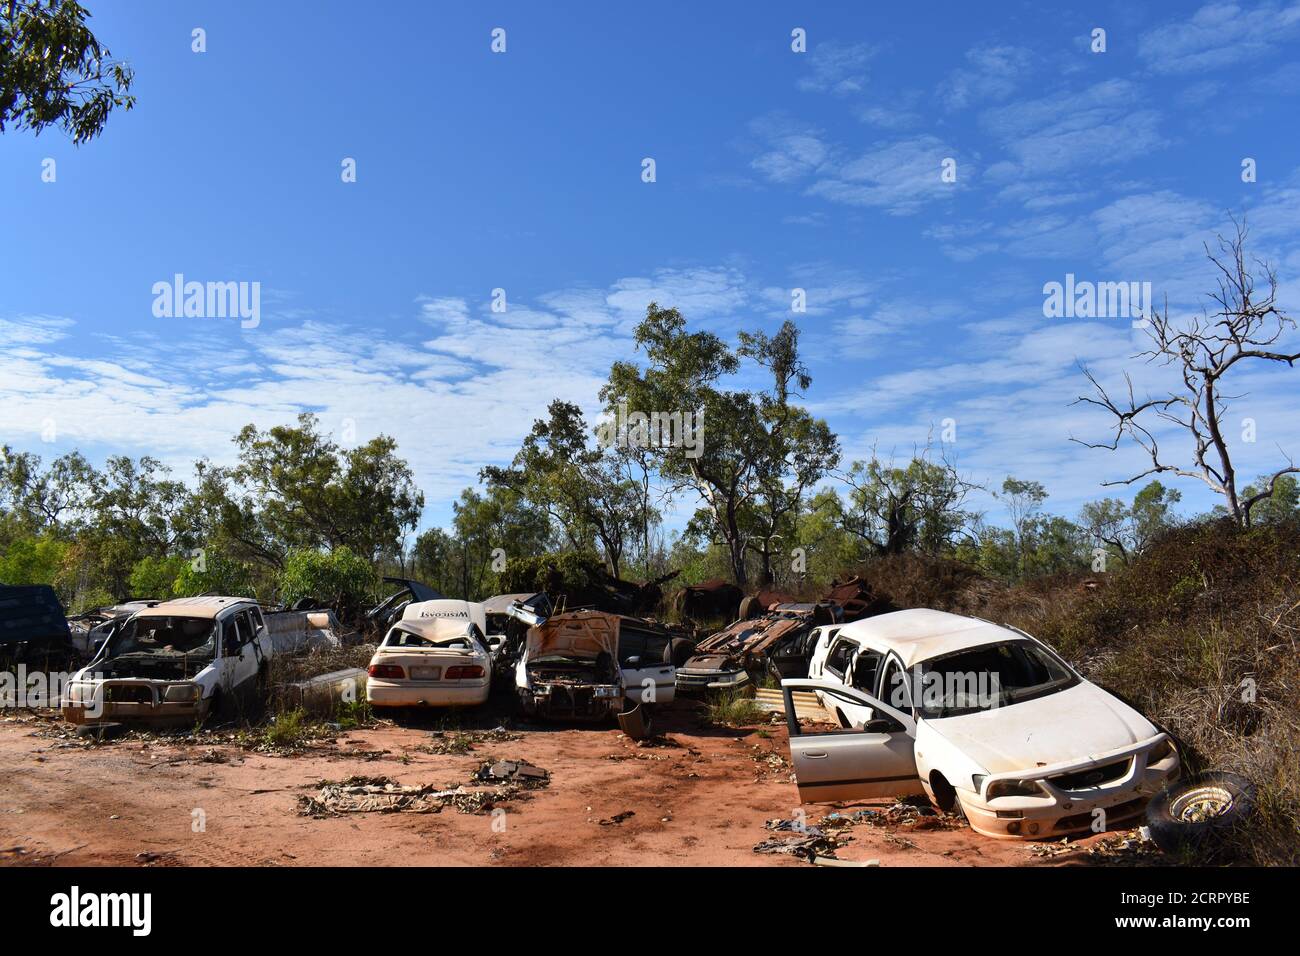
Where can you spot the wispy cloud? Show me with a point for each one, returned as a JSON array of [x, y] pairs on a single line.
[[1219, 35]]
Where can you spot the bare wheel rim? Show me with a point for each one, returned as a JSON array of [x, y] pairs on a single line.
[[1201, 803]]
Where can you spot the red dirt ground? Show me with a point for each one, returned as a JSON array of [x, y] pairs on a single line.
[[702, 802]]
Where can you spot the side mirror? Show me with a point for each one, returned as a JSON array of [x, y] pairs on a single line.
[[632, 661]]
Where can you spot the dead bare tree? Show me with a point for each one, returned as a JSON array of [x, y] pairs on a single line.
[[1246, 325]]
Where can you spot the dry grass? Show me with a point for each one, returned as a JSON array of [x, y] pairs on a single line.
[[1202, 634]]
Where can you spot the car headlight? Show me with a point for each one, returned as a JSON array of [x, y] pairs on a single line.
[[1013, 788], [1160, 751], [182, 693]]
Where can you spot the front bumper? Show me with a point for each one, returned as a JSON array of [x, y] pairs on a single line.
[[383, 693], [133, 701], [572, 701], [1059, 811], [698, 682]]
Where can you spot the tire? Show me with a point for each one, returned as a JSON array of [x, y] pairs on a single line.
[[679, 651], [1197, 815], [215, 708]]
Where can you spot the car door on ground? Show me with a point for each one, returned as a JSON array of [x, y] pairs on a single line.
[[645, 659], [875, 760]]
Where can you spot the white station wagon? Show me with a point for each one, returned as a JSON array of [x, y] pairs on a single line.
[[976, 716]]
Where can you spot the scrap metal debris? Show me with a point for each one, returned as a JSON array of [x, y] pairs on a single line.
[[1129, 848], [383, 795], [617, 818], [517, 773], [805, 841]]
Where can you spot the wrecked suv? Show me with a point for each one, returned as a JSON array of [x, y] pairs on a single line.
[[176, 663], [778, 643], [584, 665]]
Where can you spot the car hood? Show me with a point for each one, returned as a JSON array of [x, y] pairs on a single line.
[[1074, 724]]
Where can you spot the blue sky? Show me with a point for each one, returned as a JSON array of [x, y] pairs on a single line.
[[522, 170]]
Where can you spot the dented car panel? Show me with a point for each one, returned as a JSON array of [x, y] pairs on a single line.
[[1045, 753], [778, 642], [584, 665]]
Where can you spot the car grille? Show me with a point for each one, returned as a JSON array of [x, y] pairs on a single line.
[[1092, 776], [125, 694]]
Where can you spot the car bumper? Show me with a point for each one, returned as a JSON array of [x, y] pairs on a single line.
[[1059, 812], [571, 702], [162, 714], [381, 693], [699, 683]]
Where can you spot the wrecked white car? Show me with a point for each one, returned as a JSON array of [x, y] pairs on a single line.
[[584, 665], [975, 716], [432, 661], [175, 662]]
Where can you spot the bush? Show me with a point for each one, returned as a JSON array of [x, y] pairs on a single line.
[[32, 559], [734, 709], [213, 573], [344, 580], [155, 577]]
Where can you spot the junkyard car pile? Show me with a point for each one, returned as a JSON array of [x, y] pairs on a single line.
[[975, 716]]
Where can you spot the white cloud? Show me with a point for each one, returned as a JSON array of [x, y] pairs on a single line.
[[1219, 35], [836, 68]]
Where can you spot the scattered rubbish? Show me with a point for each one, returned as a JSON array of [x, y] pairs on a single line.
[[383, 795], [807, 846], [617, 818], [521, 773]]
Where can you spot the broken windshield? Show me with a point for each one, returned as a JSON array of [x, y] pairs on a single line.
[[982, 678], [165, 636]]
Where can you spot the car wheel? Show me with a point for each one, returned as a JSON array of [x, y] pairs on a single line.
[[1199, 813], [215, 709]]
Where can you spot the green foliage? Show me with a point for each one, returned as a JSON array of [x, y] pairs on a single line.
[[566, 572], [1283, 504], [917, 506], [732, 708], [54, 72], [589, 489], [760, 453], [154, 577], [340, 578], [32, 559], [214, 573], [294, 488]]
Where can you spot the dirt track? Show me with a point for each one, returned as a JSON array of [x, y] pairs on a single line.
[[702, 801]]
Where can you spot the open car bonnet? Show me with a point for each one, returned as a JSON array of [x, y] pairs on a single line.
[[582, 635], [1075, 724]]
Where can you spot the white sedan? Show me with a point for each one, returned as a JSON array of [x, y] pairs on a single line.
[[975, 716], [430, 662]]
